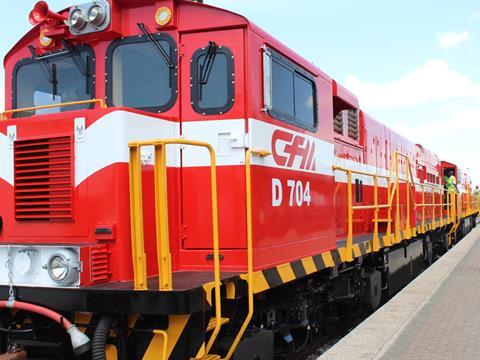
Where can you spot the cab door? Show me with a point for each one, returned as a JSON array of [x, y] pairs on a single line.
[[212, 105]]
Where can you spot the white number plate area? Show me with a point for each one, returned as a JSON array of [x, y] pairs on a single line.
[[297, 193]]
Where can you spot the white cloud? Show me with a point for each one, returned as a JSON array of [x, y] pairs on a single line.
[[417, 97], [451, 137], [476, 15], [452, 38], [432, 81]]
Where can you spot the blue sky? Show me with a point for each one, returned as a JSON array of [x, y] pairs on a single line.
[[415, 65]]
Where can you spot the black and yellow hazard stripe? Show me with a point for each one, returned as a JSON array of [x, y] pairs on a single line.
[[146, 335], [284, 273]]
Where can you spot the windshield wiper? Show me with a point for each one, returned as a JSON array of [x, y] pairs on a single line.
[[76, 58], [50, 73], [161, 51], [207, 66], [82, 66]]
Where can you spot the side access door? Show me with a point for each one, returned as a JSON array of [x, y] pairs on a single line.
[[213, 111]]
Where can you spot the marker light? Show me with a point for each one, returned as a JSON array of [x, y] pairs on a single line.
[[163, 16], [96, 15], [45, 41]]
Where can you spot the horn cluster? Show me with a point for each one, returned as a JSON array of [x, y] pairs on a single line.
[[82, 19]]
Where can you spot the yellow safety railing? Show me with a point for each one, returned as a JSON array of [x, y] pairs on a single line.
[[100, 102], [394, 180], [351, 208], [161, 217], [248, 189]]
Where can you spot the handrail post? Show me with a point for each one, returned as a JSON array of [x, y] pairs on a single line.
[[389, 212], [408, 189], [423, 208], [164, 257], [375, 245], [397, 195], [434, 209], [349, 245], [248, 190], [216, 248], [136, 218]]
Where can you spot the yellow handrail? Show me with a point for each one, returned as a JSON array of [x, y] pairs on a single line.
[[101, 102], [248, 190], [393, 196], [161, 213], [164, 335]]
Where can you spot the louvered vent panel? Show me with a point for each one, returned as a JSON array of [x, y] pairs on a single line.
[[338, 123], [99, 269], [353, 124], [44, 179]]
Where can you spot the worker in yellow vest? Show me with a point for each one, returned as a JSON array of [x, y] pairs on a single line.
[[476, 192], [451, 183]]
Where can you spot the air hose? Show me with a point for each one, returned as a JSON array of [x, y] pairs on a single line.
[[80, 342], [100, 337]]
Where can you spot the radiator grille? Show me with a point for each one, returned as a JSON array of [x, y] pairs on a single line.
[[338, 123], [353, 124], [44, 179], [99, 269]]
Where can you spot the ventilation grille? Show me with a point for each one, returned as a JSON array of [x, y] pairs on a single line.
[[353, 124], [44, 179], [99, 271], [338, 123]]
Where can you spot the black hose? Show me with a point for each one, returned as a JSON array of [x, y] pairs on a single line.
[[100, 337]]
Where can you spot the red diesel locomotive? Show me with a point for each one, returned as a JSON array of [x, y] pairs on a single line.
[[176, 183]]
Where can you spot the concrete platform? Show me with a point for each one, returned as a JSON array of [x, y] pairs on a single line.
[[437, 316]]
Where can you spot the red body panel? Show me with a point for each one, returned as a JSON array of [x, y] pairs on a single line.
[[304, 223]]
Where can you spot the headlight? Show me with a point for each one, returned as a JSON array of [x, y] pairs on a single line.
[[62, 269], [58, 268], [25, 262], [77, 19], [96, 15]]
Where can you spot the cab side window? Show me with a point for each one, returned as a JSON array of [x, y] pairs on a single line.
[[289, 91], [212, 80]]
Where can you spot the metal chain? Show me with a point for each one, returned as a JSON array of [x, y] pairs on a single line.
[[9, 263]]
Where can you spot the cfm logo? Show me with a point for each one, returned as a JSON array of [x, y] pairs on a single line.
[[293, 151]]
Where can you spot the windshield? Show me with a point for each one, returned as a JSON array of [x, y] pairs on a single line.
[[53, 80]]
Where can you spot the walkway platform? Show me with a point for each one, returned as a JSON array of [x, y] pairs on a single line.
[[435, 317]]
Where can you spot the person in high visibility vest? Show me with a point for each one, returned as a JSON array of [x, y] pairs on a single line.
[[451, 183]]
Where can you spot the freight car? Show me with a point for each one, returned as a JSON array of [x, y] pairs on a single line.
[[176, 183]]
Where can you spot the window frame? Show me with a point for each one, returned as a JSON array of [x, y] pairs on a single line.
[[195, 85], [52, 56], [138, 39], [297, 70]]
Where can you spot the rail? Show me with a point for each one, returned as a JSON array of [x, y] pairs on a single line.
[[394, 180], [101, 102], [248, 189], [161, 220]]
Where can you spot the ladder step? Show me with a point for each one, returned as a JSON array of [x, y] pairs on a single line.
[[383, 220], [213, 322], [212, 357]]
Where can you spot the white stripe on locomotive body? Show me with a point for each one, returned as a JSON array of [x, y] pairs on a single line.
[[6, 159], [260, 138], [106, 141], [227, 137]]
